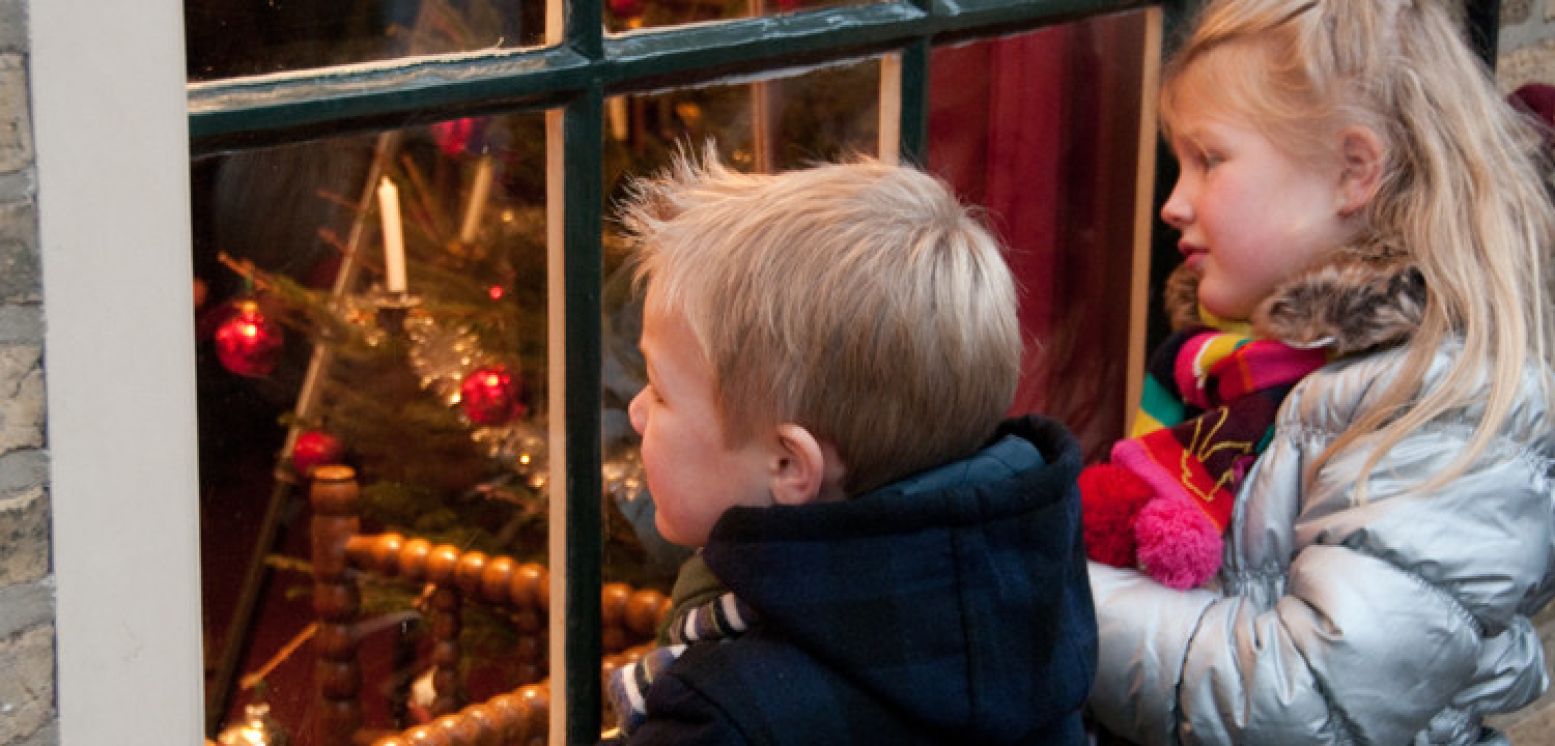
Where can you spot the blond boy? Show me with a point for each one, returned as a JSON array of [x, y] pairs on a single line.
[[830, 352]]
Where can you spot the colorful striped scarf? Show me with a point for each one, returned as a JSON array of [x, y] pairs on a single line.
[[1207, 412], [725, 617]]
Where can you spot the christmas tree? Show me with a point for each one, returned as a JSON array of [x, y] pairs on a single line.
[[414, 349]]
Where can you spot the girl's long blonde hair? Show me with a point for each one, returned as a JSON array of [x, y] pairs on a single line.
[[1462, 189]]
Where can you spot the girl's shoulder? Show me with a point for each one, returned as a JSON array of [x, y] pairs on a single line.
[[1364, 305], [1334, 396]]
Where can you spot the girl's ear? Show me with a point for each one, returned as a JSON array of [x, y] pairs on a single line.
[[802, 468], [1361, 152]]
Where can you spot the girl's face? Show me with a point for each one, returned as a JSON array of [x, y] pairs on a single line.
[[1251, 216]]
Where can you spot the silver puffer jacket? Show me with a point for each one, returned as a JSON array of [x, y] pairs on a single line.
[[1403, 620]]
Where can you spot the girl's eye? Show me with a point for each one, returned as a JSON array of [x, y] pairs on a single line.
[[1200, 158]]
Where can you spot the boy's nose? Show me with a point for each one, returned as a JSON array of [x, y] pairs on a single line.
[[637, 412]]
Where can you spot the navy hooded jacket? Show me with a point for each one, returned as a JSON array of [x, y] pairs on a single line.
[[949, 607]]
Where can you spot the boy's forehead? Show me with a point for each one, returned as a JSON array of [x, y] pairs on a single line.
[[656, 312], [666, 329]]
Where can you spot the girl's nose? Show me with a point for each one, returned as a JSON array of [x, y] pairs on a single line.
[[1177, 212], [637, 411]]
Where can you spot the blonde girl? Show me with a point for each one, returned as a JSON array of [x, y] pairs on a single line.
[[1351, 178]]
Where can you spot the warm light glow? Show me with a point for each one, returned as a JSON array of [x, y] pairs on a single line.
[[249, 330], [496, 292], [493, 379]]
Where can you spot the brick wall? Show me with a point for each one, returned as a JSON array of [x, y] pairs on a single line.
[[27, 712], [1527, 49]]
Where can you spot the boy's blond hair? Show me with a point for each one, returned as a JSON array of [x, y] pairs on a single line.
[[859, 300], [1462, 188]]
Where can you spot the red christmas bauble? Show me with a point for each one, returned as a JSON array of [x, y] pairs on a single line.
[[627, 8], [315, 448], [491, 395], [247, 343], [456, 137]]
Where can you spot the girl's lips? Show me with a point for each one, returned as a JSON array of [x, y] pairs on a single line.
[[1193, 255]]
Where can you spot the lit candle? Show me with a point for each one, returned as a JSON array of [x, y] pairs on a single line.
[[480, 191], [615, 109], [393, 236]]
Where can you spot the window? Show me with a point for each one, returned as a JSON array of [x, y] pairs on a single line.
[[404, 257]]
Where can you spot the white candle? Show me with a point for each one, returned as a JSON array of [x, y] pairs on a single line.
[[393, 236], [615, 110], [480, 191]]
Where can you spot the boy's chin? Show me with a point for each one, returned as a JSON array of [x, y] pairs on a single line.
[[674, 536]]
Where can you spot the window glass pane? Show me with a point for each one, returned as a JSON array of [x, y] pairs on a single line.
[[769, 125], [1043, 129], [772, 125], [229, 38], [626, 15], [435, 395]]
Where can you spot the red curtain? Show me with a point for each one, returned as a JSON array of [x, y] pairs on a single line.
[[1041, 130]]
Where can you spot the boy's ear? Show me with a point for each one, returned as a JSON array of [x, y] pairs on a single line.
[[1362, 154], [802, 468]]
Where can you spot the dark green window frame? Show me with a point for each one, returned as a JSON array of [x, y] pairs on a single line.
[[575, 76]]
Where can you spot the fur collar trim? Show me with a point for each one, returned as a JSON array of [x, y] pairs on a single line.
[[1366, 295]]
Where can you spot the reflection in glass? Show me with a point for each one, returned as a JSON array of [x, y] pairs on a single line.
[[627, 15], [771, 125], [377, 301], [229, 38], [381, 301], [1043, 129]]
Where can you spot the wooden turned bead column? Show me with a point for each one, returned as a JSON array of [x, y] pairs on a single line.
[[336, 601], [445, 617], [444, 613]]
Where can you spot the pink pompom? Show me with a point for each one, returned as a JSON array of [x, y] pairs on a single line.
[[1177, 544]]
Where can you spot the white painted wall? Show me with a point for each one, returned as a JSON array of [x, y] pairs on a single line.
[[113, 208]]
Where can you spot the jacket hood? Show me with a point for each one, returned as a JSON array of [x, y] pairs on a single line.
[[958, 598], [1364, 296]]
